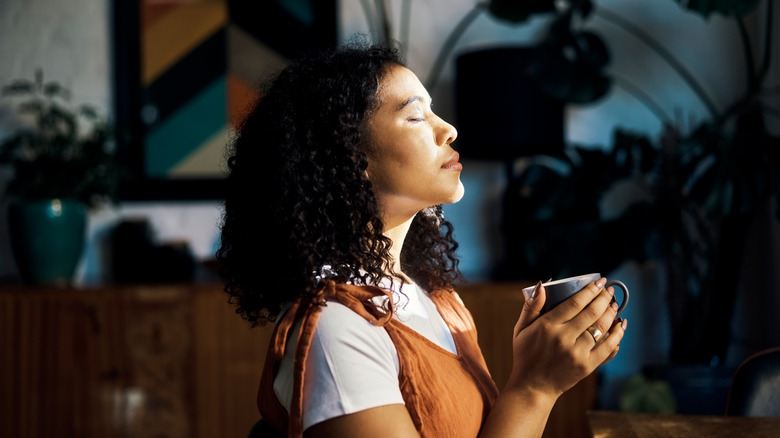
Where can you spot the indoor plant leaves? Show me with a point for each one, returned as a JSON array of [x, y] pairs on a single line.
[[515, 11], [50, 157], [569, 66]]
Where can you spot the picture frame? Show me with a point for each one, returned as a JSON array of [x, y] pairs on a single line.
[[186, 73]]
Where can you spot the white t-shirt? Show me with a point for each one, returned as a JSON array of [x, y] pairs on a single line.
[[353, 365]]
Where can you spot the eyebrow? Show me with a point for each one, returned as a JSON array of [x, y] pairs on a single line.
[[409, 101]]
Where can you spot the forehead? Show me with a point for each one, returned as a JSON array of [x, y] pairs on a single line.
[[398, 85]]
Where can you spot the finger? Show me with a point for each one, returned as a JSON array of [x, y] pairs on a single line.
[[595, 332], [612, 355], [572, 306], [593, 313], [532, 308], [618, 322], [610, 345]]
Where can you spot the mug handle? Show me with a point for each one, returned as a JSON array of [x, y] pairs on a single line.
[[625, 293]]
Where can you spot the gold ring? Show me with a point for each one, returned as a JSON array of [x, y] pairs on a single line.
[[596, 333]]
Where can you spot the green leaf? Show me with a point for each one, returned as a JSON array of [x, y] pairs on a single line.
[[592, 50], [17, 87], [31, 107], [585, 7], [569, 66], [736, 8], [10, 148], [50, 157], [515, 11], [640, 394], [39, 78], [632, 153], [54, 89], [89, 112]]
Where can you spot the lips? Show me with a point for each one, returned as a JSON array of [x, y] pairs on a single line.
[[453, 163]]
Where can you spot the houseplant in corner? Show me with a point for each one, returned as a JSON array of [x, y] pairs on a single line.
[[700, 189], [62, 165]]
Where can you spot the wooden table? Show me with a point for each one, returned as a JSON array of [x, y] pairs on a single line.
[[606, 424]]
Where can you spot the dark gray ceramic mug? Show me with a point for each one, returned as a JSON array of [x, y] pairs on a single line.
[[559, 290]]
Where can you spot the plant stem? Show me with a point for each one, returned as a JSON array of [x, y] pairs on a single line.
[[749, 67], [384, 22], [771, 111], [753, 82], [367, 10], [767, 43], [663, 53], [772, 91], [449, 44], [406, 13], [756, 79]]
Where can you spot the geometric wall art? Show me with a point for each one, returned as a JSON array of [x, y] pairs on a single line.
[[186, 72]]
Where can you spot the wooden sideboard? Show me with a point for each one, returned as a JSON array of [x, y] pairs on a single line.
[[169, 361]]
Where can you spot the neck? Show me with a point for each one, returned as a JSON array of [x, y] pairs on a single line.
[[396, 232]]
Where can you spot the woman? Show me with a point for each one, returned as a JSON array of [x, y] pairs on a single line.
[[333, 229]]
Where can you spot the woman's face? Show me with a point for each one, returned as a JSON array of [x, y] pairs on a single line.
[[411, 164]]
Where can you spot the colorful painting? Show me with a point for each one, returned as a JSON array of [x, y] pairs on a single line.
[[186, 74]]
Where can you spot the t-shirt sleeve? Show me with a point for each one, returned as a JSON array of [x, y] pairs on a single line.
[[352, 366]]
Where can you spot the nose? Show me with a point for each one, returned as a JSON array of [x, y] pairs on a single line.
[[445, 133]]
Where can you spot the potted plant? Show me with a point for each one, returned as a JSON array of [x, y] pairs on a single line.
[[62, 165], [701, 189]]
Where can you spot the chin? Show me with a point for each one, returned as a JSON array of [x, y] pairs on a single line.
[[458, 195]]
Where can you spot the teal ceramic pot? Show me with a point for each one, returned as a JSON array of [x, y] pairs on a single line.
[[47, 239]]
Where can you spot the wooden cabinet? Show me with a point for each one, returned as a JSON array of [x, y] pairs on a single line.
[[130, 361], [174, 361]]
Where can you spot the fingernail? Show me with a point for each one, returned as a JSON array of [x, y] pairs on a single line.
[[614, 306], [530, 295], [601, 282], [625, 324]]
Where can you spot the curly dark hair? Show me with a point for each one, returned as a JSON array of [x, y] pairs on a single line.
[[299, 206]]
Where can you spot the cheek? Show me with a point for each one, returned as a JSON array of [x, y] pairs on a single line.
[[394, 151], [380, 176]]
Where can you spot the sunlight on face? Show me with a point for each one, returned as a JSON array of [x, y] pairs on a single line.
[[412, 165]]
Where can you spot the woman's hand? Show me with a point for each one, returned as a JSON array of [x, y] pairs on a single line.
[[554, 351]]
